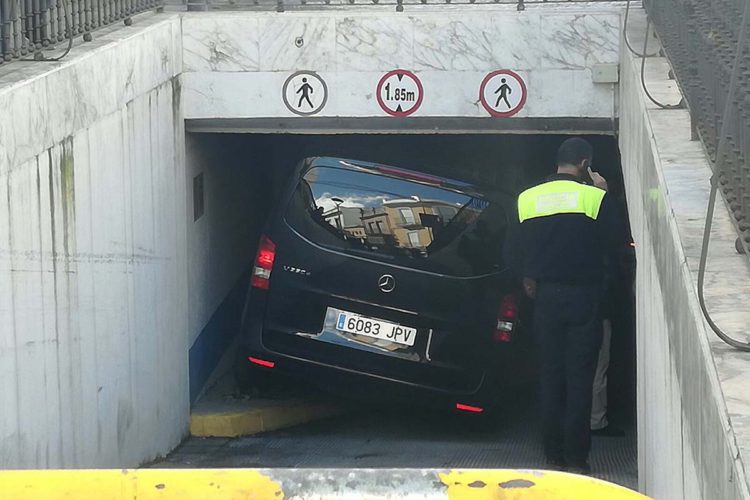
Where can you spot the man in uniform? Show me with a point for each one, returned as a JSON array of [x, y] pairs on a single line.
[[566, 229]]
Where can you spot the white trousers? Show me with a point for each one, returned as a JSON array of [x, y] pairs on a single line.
[[599, 400]]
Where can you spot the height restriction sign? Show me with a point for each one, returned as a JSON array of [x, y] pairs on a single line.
[[400, 93], [502, 93]]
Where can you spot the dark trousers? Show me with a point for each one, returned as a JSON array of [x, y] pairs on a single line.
[[568, 330]]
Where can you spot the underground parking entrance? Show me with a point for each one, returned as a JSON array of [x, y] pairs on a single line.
[[235, 181]]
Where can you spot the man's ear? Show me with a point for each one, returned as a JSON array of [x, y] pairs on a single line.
[[585, 164]]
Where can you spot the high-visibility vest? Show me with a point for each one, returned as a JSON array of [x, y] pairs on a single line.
[[560, 197]]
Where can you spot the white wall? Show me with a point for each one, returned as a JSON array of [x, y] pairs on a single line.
[[222, 242], [93, 295], [236, 62], [692, 389]]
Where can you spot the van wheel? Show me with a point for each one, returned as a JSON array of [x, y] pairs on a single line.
[[252, 381], [490, 420]]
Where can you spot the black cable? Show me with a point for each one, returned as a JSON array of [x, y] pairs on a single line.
[[743, 346], [625, 35], [69, 28], [643, 74]]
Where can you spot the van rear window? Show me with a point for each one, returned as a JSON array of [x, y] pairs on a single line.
[[400, 219]]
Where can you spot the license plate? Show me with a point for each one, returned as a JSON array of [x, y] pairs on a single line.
[[375, 328]]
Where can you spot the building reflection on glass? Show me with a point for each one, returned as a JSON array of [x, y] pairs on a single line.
[[447, 227], [410, 223]]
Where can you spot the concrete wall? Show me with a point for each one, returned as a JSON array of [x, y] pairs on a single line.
[[236, 62], [93, 292], [689, 443], [222, 242]]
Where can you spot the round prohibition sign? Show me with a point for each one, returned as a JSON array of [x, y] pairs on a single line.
[[503, 93], [304, 93], [400, 93]]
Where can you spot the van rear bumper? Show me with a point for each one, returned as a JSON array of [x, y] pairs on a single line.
[[366, 374], [431, 387]]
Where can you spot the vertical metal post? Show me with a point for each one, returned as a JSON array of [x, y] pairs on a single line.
[[5, 28], [25, 25], [71, 16], [97, 22], [36, 33], [87, 14], [21, 24], [60, 14], [81, 17]]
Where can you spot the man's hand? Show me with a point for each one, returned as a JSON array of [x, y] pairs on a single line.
[[598, 180], [529, 287]]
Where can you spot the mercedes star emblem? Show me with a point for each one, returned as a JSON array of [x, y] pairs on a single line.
[[386, 283]]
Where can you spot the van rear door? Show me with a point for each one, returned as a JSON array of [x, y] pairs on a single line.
[[399, 249]]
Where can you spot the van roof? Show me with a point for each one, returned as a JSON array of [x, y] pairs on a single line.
[[400, 173]]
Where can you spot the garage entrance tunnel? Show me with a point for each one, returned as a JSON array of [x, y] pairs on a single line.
[[235, 179]]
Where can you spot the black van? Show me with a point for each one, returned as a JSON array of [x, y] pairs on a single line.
[[385, 281]]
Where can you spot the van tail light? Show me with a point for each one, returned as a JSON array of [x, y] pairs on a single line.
[[261, 362], [263, 264], [469, 408], [507, 315]]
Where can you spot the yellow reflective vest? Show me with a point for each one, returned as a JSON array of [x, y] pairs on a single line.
[[560, 197], [565, 230]]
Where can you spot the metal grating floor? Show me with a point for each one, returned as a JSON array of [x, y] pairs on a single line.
[[390, 439]]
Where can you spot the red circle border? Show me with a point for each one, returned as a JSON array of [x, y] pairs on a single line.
[[490, 109], [420, 88]]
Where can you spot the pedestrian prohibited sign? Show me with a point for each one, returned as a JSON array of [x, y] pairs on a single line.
[[503, 93], [305, 93], [400, 93]]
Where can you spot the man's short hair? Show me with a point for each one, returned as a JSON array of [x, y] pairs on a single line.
[[574, 151]]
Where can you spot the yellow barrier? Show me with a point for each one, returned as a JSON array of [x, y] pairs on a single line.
[[530, 485], [278, 484]]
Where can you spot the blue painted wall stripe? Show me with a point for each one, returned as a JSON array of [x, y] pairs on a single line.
[[216, 337]]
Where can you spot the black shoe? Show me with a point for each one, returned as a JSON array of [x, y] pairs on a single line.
[[580, 468], [609, 431]]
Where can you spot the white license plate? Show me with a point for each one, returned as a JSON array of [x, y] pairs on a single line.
[[360, 325]]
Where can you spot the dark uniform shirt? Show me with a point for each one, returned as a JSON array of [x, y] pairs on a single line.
[[565, 229]]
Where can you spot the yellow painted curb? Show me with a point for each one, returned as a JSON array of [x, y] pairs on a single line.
[[142, 484], [530, 485], [256, 420], [304, 484]]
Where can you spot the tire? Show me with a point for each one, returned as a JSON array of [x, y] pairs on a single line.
[[487, 422], [252, 381]]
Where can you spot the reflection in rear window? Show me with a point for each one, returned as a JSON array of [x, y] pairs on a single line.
[[417, 224]]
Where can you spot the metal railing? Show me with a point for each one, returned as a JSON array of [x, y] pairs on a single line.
[[708, 44], [28, 27], [703, 39], [284, 5]]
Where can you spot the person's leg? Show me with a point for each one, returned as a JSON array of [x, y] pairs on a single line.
[[551, 347], [584, 338], [599, 396]]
